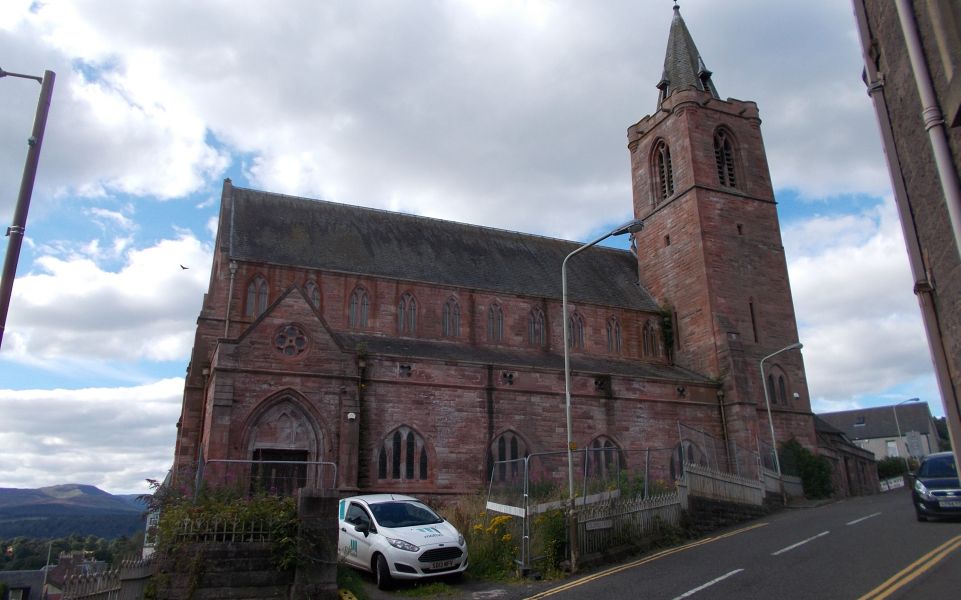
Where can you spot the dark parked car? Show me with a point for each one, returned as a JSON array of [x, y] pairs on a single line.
[[936, 491]]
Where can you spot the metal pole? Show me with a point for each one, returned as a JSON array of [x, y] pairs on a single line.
[[770, 419], [629, 227], [767, 401], [647, 470], [907, 466], [17, 229]]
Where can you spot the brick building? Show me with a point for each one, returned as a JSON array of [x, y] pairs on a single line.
[[413, 352], [912, 55]]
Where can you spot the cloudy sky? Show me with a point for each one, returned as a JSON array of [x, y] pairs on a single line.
[[508, 113]]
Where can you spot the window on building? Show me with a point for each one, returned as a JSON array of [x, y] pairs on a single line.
[[892, 448], [506, 454], [649, 343], [358, 308], [536, 335], [312, 292], [576, 331], [403, 456], [604, 458], [451, 318], [770, 389], [613, 335], [781, 389], [495, 322], [724, 158], [859, 422], [750, 306], [407, 314], [664, 171], [257, 293]]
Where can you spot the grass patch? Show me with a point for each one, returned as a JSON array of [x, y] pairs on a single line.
[[427, 589], [351, 580]]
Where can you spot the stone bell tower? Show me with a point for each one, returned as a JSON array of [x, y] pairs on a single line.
[[711, 251]]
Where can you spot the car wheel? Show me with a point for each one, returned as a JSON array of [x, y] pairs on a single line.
[[382, 571]]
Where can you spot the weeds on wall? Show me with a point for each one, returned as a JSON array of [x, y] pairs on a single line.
[[814, 471], [276, 516]]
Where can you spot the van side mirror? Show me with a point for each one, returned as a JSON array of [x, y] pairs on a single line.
[[362, 528]]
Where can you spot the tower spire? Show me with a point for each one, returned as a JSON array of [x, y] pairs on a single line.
[[683, 65]]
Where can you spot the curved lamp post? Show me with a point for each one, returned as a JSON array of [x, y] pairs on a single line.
[[907, 466], [767, 403], [17, 229], [630, 227]]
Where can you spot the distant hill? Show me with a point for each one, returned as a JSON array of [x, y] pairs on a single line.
[[70, 509]]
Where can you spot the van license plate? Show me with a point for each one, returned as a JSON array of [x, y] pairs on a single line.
[[950, 504], [442, 564]]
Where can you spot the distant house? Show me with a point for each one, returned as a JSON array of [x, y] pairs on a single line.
[[21, 585], [854, 471], [876, 429]]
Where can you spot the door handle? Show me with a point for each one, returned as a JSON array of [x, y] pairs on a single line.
[[344, 529]]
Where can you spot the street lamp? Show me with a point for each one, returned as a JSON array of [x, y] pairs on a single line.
[[630, 227], [767, 403], [17, 229], [894, 408]]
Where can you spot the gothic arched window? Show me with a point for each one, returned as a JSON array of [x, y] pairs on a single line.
[[770, 389], [649, 343], [257, 293], [451, 318], [358, 308], [576, 325], [407, 314], [506, 452], [664, 172], [613, 335], [536, 335], [604, 458], [495, 322], [724, 158], [781, 389], [402, 456], [313, 293]]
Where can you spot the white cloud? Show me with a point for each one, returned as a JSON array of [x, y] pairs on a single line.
[[73, 308], [113, 438], [858, 318]]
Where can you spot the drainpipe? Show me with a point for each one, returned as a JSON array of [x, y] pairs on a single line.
[[922, 287], [230, 295], [933, 120]]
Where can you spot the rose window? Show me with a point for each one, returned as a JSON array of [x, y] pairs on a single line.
[[291, 340]]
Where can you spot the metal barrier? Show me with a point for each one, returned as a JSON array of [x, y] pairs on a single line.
[[527, 487], [275, 477]]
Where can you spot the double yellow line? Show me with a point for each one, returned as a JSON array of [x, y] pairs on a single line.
[[913, 571], [646, 559]]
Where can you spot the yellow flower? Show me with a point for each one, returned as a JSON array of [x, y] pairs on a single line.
[[478, 528], [506, 537]]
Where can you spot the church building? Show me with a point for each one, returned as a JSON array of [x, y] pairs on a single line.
[[412, 353]]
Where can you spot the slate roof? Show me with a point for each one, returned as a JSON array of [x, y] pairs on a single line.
[[878, 422], [285, 230], [683, 65], [412, 349]]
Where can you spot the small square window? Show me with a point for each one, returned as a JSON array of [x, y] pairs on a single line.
[[667, 240]]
